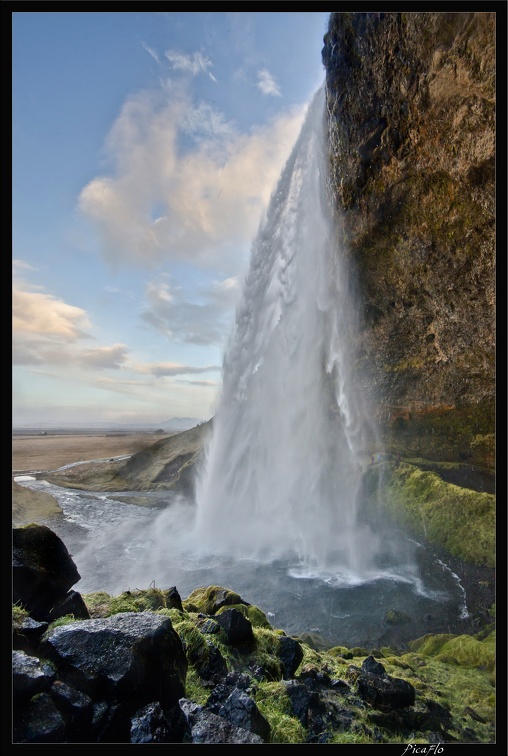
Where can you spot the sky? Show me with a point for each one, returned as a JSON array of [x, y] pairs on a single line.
[[145, 148]]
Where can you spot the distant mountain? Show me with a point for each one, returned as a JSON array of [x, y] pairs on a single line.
[[173, 425], [179, 423]]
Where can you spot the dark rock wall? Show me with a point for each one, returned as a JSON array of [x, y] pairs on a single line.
[[411, 117]]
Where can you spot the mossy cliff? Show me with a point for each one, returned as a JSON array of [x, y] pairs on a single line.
[[411, 118]]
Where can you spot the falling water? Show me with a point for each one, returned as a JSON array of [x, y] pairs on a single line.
[[282, 470], [275, 514]]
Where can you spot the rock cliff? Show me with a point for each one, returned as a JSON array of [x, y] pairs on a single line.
[[411, 118]]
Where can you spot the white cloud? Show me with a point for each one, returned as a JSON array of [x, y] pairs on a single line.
[[194, 64], [266, 83], [208, 198], [48, 331], [45, 315]]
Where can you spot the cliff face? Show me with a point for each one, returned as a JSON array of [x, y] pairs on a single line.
[[411, 116]]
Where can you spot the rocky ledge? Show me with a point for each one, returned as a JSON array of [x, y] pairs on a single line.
[[147, 667]]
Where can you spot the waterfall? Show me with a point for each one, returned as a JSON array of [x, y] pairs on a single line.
[[281, 473]]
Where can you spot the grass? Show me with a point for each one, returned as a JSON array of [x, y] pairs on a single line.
[[443, 513]]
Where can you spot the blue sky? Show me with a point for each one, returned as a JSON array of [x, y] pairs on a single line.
[[145, 149]]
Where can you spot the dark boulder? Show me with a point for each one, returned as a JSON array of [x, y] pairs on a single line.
[[76, 709], [238, 628], [71, 603], [379, 689], [299, 696], [43, 570], [209, 663], [137, 656], [41, 722], [173, 599], [241, 711], [207, 727], [291, 656], [27, 633], [152, 724], [30, 675]]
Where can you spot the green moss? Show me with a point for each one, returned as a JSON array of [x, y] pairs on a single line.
[[459, 519], [465, 650], [359, 651], [101, 604], [471, 652], [274, 704], [194, 689], [19, 614], [210, 599], [68, 619], [430, 645]]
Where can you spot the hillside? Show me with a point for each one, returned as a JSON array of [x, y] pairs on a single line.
[[167, 464]]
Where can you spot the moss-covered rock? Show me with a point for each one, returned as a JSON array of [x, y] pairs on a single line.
[[458, 519]]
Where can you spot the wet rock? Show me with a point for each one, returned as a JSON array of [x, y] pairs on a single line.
[[209, 663], [207, 727], [173, 599], [41, 722], [27, 634], [30, 675], [76, 708], [43, 570], [152, 724], [71, 603], [411, 118], [134, 655], [300, 697], [291, 655], [238, 628]]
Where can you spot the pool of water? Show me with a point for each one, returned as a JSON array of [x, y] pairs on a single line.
[[117, 545]]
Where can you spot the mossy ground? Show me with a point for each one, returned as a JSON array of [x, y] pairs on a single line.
[[439, 512], [455, 671]]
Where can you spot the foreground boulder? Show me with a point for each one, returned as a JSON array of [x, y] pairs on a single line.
[[43, 573], [103, 680], [138, 655]]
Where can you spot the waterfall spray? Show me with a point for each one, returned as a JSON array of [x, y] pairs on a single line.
[[281, 472]]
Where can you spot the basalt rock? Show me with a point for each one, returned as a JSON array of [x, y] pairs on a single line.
[[43, 573], [411, 119]]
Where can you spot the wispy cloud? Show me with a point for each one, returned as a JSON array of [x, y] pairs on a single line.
[[152, 52], [267, 83], [161, 369], [194, 64], [203, 321], [105, 357]]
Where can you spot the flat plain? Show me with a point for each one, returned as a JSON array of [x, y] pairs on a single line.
[[35, 452]]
